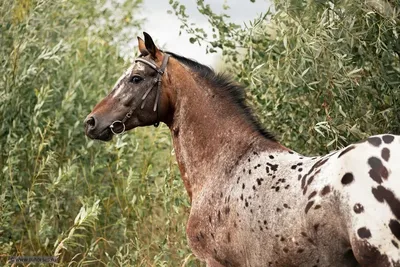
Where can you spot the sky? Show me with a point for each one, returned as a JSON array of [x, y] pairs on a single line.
[[164, 27]]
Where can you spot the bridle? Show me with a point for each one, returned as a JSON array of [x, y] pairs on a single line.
[[157, 80]]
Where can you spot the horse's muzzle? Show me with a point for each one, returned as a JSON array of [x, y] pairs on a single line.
[[94, 131]]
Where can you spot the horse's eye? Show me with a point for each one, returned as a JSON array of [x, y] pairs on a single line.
[[136, 79]]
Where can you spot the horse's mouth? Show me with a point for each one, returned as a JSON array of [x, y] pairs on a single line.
[[105, 135]]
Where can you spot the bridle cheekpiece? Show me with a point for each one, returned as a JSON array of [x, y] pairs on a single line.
[[157, 80]]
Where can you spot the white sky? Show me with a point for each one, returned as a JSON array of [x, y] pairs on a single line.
[[164, 27]]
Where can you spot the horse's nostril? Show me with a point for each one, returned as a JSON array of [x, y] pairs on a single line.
[[91, 122]]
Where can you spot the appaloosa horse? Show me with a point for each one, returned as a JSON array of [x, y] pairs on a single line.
[[255, 202]]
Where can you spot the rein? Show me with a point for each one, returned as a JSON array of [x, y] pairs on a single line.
[[157, 80]]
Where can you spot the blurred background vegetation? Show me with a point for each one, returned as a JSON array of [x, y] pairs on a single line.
[[319, 74]]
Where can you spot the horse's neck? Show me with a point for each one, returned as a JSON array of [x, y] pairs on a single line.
[[210, 135]]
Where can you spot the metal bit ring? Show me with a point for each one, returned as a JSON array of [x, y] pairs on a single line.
[[112, 126]]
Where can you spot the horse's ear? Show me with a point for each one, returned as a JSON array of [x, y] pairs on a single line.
[[142, 47], [150, 46]]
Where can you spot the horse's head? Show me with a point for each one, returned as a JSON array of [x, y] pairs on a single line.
[[137, 99]]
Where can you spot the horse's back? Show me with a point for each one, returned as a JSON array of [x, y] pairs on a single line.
[[284, 209], [369, 186]]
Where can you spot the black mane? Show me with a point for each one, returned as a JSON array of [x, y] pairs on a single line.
[[227, 86]]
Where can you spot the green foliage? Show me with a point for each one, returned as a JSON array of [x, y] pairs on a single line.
[[87, 202], [322, 74]]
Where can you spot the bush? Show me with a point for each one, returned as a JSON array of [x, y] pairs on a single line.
[[61, 194], [321, 74]]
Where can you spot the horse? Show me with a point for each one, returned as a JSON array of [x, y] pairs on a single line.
[[253, 201]]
